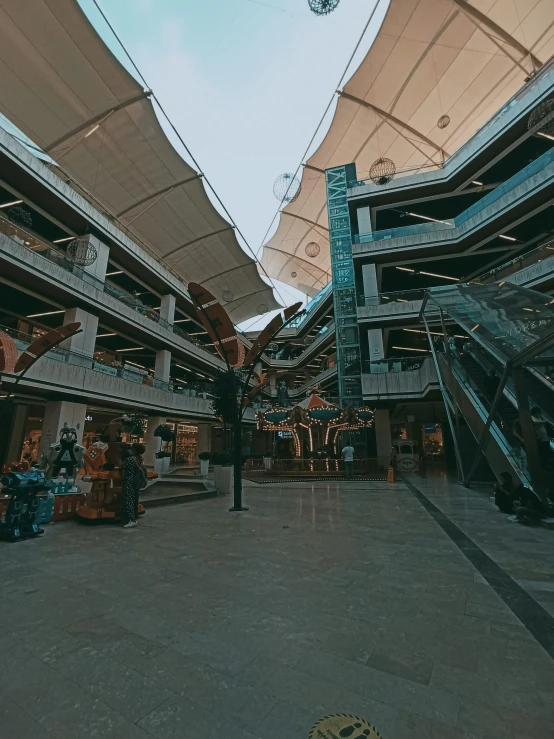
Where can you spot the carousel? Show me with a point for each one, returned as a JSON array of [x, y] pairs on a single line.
[[312, 427]]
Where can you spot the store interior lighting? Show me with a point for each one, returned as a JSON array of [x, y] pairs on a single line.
[[13, 202], [48, 313]]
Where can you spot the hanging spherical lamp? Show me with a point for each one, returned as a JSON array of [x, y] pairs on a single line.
[[382, 171], [443, 121], [81, 252], [262, 308], [227, 295], [312, 249], [323, 7], [286, 188]]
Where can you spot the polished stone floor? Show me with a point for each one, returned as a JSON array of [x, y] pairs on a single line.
[[331, 598]]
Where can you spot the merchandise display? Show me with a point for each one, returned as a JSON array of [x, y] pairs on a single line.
[[21, 513]]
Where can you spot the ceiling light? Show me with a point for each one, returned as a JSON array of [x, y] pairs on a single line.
[[475, 327], [545, 135], [67, 238], [405, 269], [132, 349], [183, 368], [110, 274], [13, 202], [102, 336], [401, 300], [409, 349], [550, 303], [128, 361], [502, 283], [476, 182], [48, 313], [181, 320], [428, 218], [443, 277], [507, 238]]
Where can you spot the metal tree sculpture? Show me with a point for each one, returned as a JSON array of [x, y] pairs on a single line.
[[286, 188], [323, 7], [232, 404]]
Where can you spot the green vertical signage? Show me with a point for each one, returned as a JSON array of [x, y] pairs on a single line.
[[344, 287]]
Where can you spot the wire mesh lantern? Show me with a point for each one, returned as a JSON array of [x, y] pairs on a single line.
[[227, 295], [81, 253], [443, 121], [262, 308], [294, 274], [323, 7], [312, 249], [382, 171], [543, 116], [286, 188], [20, 216]]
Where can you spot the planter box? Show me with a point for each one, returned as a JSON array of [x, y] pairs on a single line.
[[268, 463], [223, 479], [161, 466], [204, 467]]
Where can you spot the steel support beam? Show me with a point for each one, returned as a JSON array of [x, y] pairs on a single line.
[[480, 19], [195, 241], [95, 119], [393, 119], [163, 191]]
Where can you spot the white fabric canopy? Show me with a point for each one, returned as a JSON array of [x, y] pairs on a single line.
[[430, 58], [64, 89]]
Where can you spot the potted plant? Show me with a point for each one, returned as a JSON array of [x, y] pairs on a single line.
[[223, 471], [204, 458]]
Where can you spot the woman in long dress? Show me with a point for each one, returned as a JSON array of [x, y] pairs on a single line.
[[133, 481]]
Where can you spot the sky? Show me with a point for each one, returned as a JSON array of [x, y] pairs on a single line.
[[245, 82]]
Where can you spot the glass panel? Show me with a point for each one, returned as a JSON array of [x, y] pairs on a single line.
[[505, 318]]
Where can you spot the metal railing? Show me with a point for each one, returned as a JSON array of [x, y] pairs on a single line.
[[25, 238], [371, 467], [394, 364], [400, 296], [313, 303], [544, 251], [491, 197]]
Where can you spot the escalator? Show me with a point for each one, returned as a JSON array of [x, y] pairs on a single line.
[[464, 384]]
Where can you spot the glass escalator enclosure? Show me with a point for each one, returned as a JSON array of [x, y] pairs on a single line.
[[514, 323]]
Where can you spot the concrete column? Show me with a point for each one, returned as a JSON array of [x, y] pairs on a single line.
[[273, 385], [371, 281], [152, 443], [100, 266], [17, 432], [84, 342], [382, 432], [60, 413], [167, 309], [204, 438], [162, 368], [364, 220]]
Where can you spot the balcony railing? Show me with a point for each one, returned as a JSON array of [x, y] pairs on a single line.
[[491, 197], [400, 296], [321, 295], [25, 238], [518, 263], [394, 364], [125, 372]]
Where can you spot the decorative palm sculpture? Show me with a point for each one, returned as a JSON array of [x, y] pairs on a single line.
[[241, 368]]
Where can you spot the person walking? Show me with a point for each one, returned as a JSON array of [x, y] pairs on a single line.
[[133, 480], [348, 456]]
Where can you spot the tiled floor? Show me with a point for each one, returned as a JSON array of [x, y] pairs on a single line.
[[332, 598]]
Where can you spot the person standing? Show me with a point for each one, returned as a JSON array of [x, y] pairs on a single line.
[[133, 480], [348, 456]]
